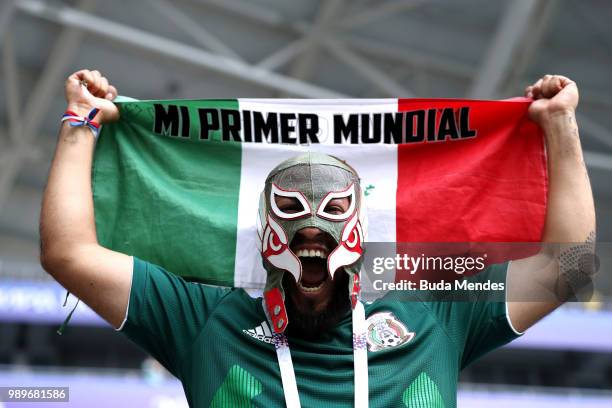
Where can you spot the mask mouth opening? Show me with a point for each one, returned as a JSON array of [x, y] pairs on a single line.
[[312, 252], [314, 274]]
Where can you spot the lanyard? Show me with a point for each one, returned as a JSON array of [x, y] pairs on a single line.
[[360, 362]]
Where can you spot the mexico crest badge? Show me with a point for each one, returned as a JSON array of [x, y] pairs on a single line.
[[385, 331]]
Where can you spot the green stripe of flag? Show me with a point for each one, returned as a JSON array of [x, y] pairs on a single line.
[[158, 196]]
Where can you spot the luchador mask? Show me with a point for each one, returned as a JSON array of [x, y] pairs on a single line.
[[311, 180]]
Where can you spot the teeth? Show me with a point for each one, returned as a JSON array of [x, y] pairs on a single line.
[[312, 289], [312, 253]]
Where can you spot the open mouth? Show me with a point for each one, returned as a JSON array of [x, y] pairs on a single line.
[[312, 247], [314, 269]]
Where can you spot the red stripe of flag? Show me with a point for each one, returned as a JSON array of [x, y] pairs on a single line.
[[487, 188]]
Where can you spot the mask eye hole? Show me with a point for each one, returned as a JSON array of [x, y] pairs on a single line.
[[338, 205], [288, 204]]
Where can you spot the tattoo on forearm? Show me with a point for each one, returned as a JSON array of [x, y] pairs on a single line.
[[577, 266], [70, 137], [72, 134]]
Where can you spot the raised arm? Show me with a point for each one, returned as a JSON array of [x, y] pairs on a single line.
[[69, 249], [570, 217]]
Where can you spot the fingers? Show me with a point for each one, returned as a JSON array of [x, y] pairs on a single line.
[[547, 86], [551, 86], [83, 76], [537, 88], [112, 93], [103, 87], [94, 87], [96, 83]]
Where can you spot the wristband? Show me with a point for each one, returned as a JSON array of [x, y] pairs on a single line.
[[76, 120]]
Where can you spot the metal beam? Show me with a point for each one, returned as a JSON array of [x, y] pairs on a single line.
[[377, 12], [389, 52], [525, 53], [3, 153], [369, 72], [319, 33], [503, 46], [282, 56], [193, 29], [410, 57], [61, 55], [320, 28], [7, 10], [359, 4], [267, 15], [6, 16], [11, 81], [594, 130], [174, 49]]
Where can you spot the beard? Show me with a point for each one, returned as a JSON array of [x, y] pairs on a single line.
[[310, 324]]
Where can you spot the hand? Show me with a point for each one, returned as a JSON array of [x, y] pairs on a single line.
[[552, 95], [86, 90]]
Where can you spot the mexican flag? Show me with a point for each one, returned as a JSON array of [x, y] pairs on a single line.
[[177, 182]]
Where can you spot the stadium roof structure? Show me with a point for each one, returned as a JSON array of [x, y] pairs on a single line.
[[161, 49]]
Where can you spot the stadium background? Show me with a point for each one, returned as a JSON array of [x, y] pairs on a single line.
[[153, 49]]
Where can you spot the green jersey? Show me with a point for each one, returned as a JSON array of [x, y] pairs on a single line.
[[218, 343]]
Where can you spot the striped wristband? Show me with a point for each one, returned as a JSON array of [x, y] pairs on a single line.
[[76, 120]]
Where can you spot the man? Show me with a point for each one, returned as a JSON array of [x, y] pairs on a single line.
[[308, 341]]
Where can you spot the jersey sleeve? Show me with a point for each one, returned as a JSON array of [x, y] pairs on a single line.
[[479, 324], [166, 313]]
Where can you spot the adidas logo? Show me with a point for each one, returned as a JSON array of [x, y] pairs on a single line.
[[261, 333]]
